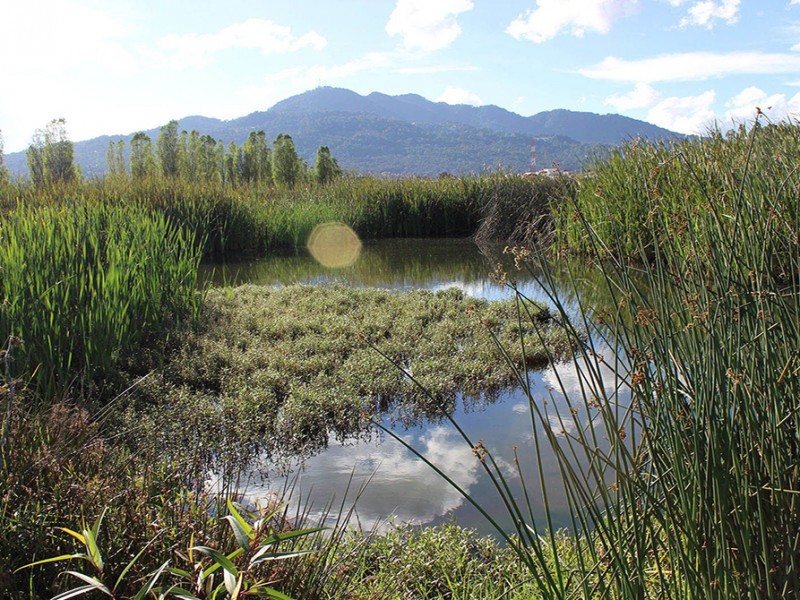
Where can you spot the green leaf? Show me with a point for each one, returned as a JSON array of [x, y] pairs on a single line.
[[54, 559], [240, 519], [151, 582], [92, 581], [74, 592], [220, 559], [239, 532]]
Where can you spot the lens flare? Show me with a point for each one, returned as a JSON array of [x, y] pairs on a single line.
[[334, 245]]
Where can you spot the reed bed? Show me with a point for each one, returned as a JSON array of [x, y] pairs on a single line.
[[84, 283], [680, 453], [258, 217]]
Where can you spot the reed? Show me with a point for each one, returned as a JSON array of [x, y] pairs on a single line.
[[257, 217], [84, 283], [679, 453]]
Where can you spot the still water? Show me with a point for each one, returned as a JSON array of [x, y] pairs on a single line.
[[397, 486]]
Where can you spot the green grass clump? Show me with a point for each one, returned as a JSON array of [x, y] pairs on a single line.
[[680, 453], [646, 195], [83, 283], [256, 217], [288, 366], [433, 562]]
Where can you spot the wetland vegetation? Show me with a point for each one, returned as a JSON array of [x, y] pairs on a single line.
[[678, 457]]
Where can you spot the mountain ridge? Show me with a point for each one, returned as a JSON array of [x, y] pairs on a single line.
[[406, 134]]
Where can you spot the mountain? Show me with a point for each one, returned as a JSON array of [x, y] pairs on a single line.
[[407, 134]]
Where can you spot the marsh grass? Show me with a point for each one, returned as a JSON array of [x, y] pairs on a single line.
[[682, 459], [288, 367], [82, 284]]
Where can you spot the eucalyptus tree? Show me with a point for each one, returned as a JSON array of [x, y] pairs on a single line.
[[325, 167], [115, 158], [287, 168], [50, 155], [167, 146], [142, 160], [3, 168], [232, 164], [257, 158]]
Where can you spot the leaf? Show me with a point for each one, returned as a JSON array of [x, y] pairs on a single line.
[[74, 534], [94, 550], [97, 523], [151, 582], [74, 592], [53, 559], [239, 532], [92, 581], [220, 559], [257, 558], [238, 516]]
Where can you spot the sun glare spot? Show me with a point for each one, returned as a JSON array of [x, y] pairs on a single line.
[[334, 245]]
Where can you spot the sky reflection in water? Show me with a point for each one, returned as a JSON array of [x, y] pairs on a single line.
[[400, 484]]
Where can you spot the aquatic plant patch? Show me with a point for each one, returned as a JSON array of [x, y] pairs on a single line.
[[290, 366]]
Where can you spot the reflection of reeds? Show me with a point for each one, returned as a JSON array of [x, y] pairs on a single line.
[[690, 487]]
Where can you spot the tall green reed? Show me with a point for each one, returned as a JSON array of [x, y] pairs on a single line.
[[82, 283], [679, 454]]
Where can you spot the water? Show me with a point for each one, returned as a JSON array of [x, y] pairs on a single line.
[[397, 485]]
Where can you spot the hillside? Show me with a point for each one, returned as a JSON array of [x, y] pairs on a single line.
[[406, 134]]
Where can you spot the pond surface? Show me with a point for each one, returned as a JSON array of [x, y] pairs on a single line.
[[397, 485]]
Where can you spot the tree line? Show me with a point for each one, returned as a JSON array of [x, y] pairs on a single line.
[[180, 155]]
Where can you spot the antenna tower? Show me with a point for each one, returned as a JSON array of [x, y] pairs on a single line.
[[533, 155]]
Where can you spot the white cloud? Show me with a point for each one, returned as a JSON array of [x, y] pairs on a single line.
[[552, 17], [692, 66], [742, 107], [705, 13], [425, 24], [62, 59], [433, 69], [196, 49], [455, 95], [685, 114], [398, 482], [641, 96]]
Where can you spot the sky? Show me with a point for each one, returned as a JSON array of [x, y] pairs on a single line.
[[119, 66]]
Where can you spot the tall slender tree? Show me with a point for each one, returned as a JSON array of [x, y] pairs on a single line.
[[167, 148], [286, 165], [325, 167], [142, 159], [115, 158]]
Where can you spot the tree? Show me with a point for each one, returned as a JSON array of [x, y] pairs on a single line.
[[115, 158], [3, 168], [286, 165], [34, 156], [167, 148], [257, 159], [232, 164], [143, 161], [325, 167], [51, 153]]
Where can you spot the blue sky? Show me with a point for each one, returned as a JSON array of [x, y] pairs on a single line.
[[111, 66]]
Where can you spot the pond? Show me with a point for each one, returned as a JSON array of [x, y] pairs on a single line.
[[397, 485]]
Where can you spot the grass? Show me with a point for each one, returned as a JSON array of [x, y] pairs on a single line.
[[83, 284], [256, 218], [682, 456], [290, 366], [679, 460]]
